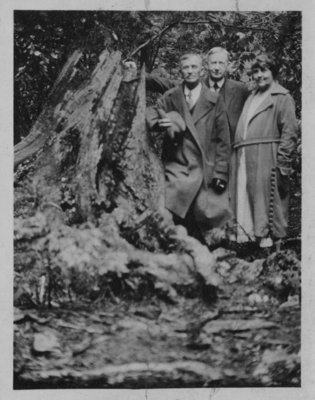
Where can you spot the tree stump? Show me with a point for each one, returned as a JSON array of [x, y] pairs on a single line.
[[90, 148], [96, 189]]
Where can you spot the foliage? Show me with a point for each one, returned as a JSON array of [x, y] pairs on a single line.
[[282, 274], [44, 39], [278, 368]]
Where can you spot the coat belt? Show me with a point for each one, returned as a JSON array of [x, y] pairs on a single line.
[[248, 142]]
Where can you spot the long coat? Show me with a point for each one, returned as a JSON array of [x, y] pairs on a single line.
[[234, 95], [269, 143], [202, 154]]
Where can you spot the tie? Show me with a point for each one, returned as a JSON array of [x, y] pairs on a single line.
[[216, 87], [189, 100]]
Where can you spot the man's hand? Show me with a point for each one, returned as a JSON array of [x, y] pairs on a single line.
[[173, 123], [218, 185], [130, 64], [164, 122], [167, 124]]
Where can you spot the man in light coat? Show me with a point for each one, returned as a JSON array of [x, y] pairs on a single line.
[[196, 160]]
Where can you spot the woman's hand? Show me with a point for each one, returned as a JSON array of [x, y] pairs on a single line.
[[283, 184]]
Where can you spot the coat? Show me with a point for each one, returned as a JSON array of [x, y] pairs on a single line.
[[202, 154], [234, 95], [269, 143]]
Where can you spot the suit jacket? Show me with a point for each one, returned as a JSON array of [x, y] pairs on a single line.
[[234, 94], [202, 154]]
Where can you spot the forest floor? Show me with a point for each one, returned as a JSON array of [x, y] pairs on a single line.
[[248, 336]]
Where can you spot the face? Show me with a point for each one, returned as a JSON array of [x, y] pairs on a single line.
[[217, 64], [262, 77], [191, 69]]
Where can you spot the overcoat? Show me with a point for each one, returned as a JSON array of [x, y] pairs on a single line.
[[203, 153], [268, 146], [234, 94]]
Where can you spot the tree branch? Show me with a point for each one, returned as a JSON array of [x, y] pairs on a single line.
[[158, 35]]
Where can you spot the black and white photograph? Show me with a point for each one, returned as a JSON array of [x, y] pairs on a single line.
[[156, 232]]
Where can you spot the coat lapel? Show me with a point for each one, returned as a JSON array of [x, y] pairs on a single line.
[[269, 100], [241, 126], [228, 93], [179, 103], [204, 104]]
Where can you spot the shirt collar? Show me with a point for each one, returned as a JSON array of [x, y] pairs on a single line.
[[220, 83], [195, 90]]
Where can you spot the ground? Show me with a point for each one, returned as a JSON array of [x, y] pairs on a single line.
[[246, 335]]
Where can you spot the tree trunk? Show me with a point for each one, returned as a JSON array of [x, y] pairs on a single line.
[[94, 183], [90, 148]]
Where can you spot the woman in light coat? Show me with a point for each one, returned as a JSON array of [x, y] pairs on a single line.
[[261, 159]]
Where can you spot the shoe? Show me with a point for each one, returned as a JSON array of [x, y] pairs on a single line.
[[265, 242]]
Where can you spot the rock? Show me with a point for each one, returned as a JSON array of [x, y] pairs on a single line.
[[293, 301], [45, 342]]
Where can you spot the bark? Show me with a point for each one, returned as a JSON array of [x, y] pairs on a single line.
[[89, 148]]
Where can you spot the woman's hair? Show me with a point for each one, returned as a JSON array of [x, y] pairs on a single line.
[[264, 60]]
